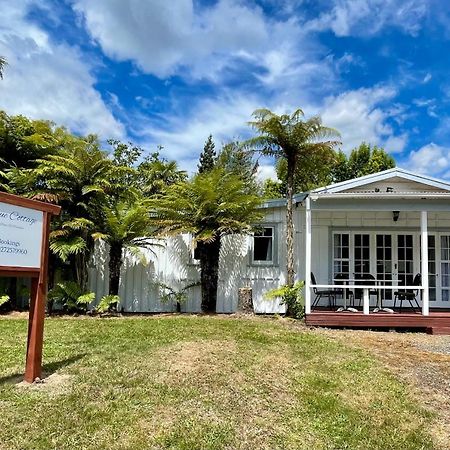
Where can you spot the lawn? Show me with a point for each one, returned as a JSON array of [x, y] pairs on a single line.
[[186, 382]]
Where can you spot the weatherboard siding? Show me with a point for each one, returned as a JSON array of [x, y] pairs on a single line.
[[170, 262]]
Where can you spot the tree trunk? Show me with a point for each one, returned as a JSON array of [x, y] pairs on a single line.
[[80, 263], [209, 273], [245, 300], [290, 226], [115, 263]]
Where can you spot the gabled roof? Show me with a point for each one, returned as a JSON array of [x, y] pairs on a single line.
[[396, 172]]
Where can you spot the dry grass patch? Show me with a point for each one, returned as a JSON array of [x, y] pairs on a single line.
[[194, 383], [421, 361], [55, 384]]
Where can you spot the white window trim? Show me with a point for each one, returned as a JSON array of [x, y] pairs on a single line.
[[274, 261], [192, 260]]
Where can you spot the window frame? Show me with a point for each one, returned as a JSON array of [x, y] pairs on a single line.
[[274, 261], [192, 261]]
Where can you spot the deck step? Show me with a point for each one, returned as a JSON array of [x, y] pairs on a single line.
[[435, 322], [439, 330]]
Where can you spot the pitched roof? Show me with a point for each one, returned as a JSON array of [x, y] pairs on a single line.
[[396, 172]]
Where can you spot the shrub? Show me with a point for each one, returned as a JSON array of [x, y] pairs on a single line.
[[108, 303], [70, 296], [4, 299], [291, 296], [169, 294]]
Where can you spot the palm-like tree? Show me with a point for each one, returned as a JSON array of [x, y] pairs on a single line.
[[154, 174], [3, 64], [77, 178], [295, 140], [126, 225], [209, 206]]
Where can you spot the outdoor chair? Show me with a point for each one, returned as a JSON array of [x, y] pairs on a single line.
[[342, 278], [328, 293], [409, 295], [365, 279]]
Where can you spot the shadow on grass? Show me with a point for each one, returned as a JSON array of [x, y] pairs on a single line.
[[47, 369]]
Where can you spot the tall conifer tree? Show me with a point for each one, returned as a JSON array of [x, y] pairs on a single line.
[[208, 156]]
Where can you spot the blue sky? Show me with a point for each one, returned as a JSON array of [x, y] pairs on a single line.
[[169, 73]]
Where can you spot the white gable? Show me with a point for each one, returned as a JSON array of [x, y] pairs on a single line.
[[393, 180]]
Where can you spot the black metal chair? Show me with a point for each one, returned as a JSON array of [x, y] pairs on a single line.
[[409, 295], [365, 279], [340, 292], [330, 294]]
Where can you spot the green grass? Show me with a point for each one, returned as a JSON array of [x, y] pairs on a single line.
[[201, 383]]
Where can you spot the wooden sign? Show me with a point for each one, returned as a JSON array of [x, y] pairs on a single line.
[[24, 234]]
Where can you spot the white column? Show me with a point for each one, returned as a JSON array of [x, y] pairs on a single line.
[[307, 255], [366, 300], [424, 268]]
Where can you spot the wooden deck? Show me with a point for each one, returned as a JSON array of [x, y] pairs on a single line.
[[435, 323]]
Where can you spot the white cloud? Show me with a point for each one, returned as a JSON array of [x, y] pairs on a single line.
[[431, 159], [48, 81], [427, 78], [368, 17], [229, 39], [182, 135], [396, 144], [164, 37], [266, 171], [358, 116]]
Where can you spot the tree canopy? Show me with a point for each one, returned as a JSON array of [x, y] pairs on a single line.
[[102, 192], [207, 158], [209, 206], [299, 144], [363, 160]]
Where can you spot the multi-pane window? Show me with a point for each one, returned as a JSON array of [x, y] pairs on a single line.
[[263, 245], [341, 254], [445, 268], [405, 259], [384, 262], [432, 267], [362, 254]]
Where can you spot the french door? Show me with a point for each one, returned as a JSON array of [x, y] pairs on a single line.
[[393, 258]]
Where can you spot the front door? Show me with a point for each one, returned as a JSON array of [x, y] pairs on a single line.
[[393, 258], [445, 269]]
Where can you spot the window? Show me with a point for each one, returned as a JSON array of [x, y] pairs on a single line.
[[196, 253], [341, 254], [445, 267], [263, 245], [362, 254]]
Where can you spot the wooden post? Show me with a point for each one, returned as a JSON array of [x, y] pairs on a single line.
[[366, 301], [31, 262], [308, 255], [424, 257], [33, 367]]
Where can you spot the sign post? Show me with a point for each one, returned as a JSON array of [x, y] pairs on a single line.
[[24, 240]]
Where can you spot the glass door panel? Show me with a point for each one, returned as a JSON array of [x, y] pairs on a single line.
[[341, 254], [445, 268], [432, 274], [384, 262], [405, 259], [362, 255]]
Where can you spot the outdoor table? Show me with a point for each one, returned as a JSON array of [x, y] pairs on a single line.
[[365, 289], [347, 281]]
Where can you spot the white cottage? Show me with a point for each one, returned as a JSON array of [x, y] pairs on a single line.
[[362, 239]]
